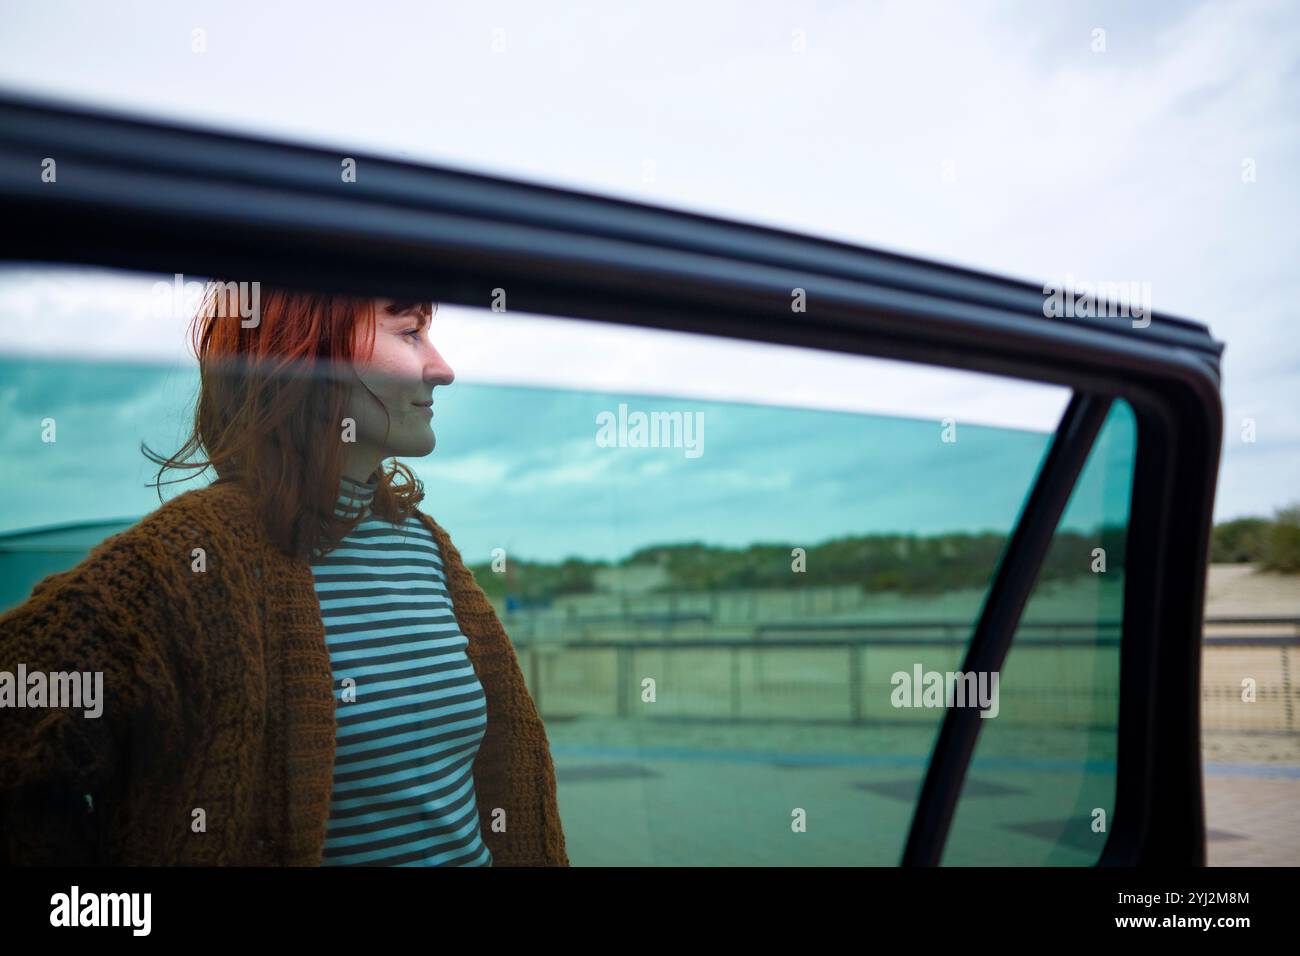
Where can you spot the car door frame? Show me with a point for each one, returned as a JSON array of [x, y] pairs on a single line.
[[171, 197]]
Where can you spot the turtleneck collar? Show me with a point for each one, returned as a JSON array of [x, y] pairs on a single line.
[[354, 496]]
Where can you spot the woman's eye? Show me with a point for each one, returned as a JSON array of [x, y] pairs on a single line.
[[413, 333]]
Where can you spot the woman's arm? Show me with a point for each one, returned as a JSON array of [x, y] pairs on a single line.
[[64, 769], [513, 771]]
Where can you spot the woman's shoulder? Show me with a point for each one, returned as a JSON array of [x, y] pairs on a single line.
[[467, 595], [216, 510], [215, 517], [146, 558], [440, 535]]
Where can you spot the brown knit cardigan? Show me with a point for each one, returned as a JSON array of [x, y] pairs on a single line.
[[216, 741]]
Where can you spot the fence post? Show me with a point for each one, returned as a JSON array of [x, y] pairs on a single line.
[[623, 676], [855, 683], [735, 682], [1286, 689]]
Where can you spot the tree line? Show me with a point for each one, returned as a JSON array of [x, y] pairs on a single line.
[[1272, 543], [907, 564]]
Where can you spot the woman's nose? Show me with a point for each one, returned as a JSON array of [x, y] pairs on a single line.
[[439, 372]]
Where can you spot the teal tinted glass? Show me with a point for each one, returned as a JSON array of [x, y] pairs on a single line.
[[70, 459], [711, 639], [1040, 790]]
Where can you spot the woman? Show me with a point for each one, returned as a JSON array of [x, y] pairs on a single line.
[[297, 666]]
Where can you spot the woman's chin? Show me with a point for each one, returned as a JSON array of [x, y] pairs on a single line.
[[417, 447]]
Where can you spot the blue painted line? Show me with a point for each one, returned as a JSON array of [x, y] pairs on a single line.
[[1251, 770], [897, 760], [824, 760]]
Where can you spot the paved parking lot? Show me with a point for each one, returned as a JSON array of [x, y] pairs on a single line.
[[636, 793], [1252, 799], [1252, 820]]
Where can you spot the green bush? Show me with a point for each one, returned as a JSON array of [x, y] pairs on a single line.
[[1284, 542], [1243, 540]]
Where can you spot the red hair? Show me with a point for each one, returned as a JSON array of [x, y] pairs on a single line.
[[272, 399]]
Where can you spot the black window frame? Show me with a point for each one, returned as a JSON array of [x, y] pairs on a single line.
[[166, 197]]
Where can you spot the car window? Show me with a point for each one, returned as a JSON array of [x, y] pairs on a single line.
[[715, 558], [1040, 789]]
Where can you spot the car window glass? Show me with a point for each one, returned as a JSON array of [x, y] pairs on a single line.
[[1040, 790], [713, 556]]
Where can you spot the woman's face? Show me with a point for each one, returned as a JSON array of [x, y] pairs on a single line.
[[401, 370]]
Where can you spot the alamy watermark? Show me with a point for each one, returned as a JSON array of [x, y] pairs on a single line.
[[80, 690], [242, 300], [1070, 299], [922, 688], [651, 430], [75, 908]]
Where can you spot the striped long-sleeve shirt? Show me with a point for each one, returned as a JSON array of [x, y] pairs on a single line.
[[411, 711]]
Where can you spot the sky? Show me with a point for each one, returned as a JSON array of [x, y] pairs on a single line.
[[548, 473], [1152, 143]]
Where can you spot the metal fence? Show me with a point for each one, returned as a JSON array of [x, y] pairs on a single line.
[[1059, 673], [1247, 675]]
